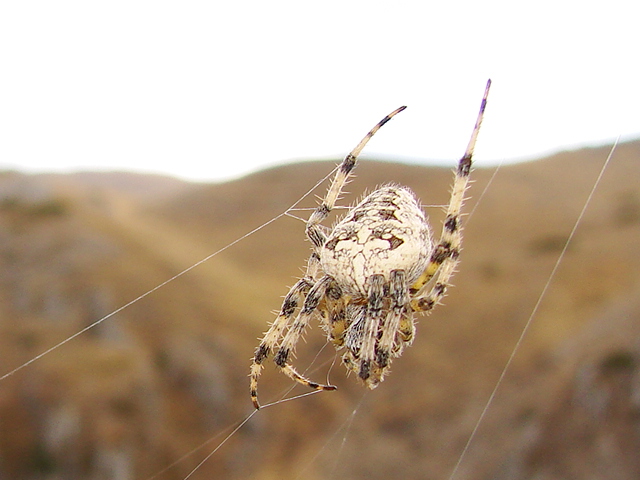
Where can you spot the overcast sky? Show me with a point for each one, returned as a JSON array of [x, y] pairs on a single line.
[[210, 90]]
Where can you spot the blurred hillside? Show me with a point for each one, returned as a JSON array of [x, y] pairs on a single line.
[[135, 393]]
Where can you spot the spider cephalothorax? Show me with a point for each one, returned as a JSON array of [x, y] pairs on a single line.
[[368, 275]]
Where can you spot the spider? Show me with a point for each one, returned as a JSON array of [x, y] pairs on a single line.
[[369, 274]]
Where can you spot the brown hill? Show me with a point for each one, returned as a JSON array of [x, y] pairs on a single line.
[[131, 395]]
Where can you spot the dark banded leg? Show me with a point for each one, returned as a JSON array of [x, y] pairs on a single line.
[[336, 320], [297, 329], [399, 296], [274, 334], [314, 231], [372, 324], [445, 255]]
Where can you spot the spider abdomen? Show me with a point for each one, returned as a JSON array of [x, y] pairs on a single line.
[[386, 231]]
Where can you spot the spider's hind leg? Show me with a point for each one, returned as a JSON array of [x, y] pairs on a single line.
[[315, 295], [292, 373], [274, 334]]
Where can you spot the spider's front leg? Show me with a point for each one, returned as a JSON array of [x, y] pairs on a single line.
[[386, 346], [366, 333], [313, 230], [445, 255]]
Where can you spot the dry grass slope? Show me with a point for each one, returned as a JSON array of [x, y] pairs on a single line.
[[152, 382]]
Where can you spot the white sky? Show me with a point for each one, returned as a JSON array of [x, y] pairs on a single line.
[[210, 90]]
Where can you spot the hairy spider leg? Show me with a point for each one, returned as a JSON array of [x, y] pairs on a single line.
[[294, 333], [272, 337], [387, 343], [313, 230], [372, 323], [445, 256]]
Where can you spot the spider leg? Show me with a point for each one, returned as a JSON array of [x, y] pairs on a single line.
[[313, 230], [275, 333], [407, 330], [373, 322], [399, 297], [272, 337], [362, 334], [445, 255], [337, 325], [293, 374], [315, 295], [335, 322]]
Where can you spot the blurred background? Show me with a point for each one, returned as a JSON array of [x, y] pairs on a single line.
[[111, 112], [133, 394]]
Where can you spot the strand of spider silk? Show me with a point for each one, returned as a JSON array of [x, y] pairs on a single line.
[[485, 190], [344, 427], [233, 432], [236, 427], [347, 429], [241, 424], [284, 398], [534, 311], [157, 287], [226, 439]]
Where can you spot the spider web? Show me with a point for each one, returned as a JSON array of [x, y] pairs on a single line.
[[346, 425]]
